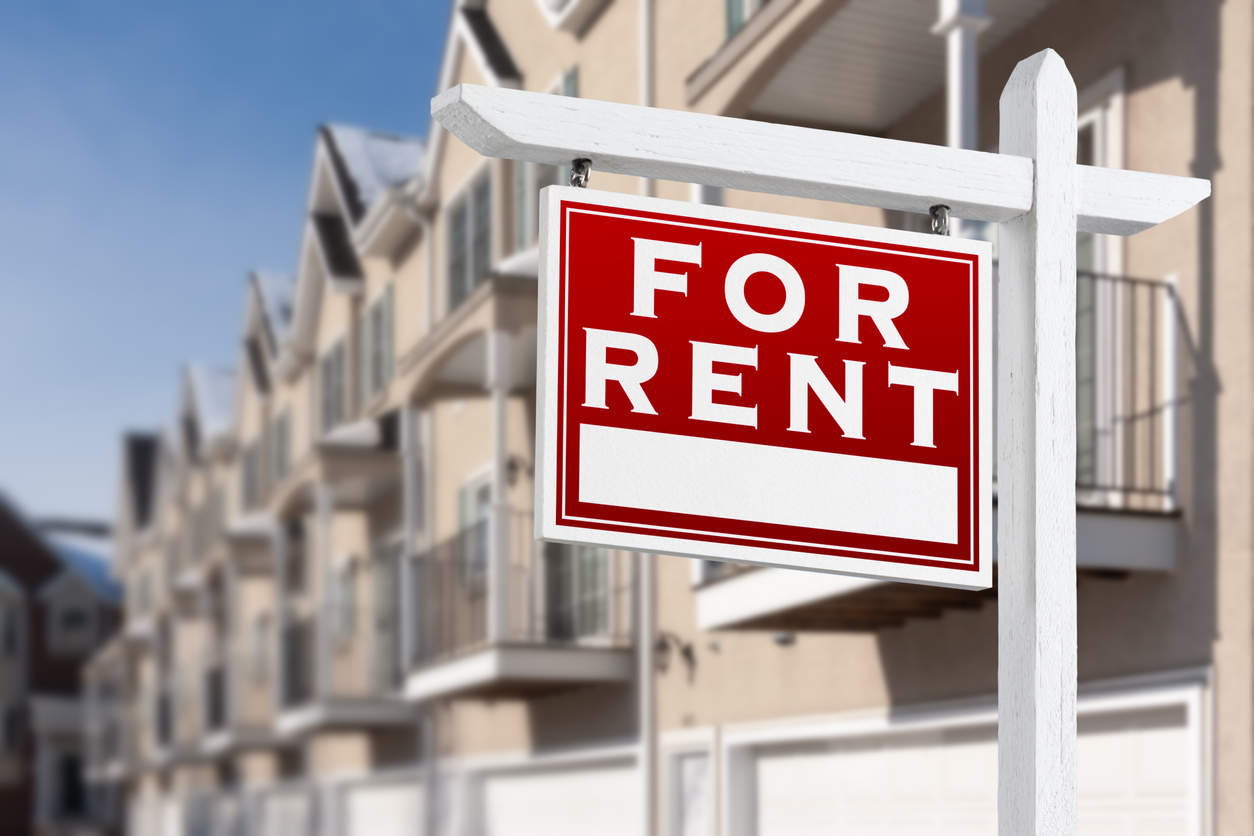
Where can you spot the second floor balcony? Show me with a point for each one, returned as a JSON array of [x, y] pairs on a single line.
[[495, 613], [1132, 359]]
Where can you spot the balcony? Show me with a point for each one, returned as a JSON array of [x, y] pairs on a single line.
[[519, 619], [1129, 348], [317, 692]]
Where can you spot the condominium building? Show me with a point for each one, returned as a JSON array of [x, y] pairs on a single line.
[[338, 620]]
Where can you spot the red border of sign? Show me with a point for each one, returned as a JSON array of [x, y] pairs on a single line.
[[674, 530]]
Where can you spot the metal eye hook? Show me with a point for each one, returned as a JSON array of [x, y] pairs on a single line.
[[940, 219], [580, 171]]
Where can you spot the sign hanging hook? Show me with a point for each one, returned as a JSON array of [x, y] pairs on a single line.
[[940, 219], [580, 171]]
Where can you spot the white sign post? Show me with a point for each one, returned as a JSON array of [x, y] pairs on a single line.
[[1035, 190]]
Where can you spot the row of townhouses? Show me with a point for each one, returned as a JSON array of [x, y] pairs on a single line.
[[338, 620]]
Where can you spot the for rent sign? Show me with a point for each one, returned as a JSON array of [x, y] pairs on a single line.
[[764, 389]]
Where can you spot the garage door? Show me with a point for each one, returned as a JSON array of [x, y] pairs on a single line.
[[1134, 778], [383, 810], [568, 803]]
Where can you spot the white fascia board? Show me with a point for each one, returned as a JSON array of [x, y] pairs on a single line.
[[1105, 540], [574, 16]]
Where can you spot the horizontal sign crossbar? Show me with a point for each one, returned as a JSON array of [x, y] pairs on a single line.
[[789, 160]]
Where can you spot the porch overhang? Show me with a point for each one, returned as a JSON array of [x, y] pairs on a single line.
[[1107, 542], [852, 65], [506, 671], [340, 712]]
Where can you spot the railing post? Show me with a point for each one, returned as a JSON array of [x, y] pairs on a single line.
[[1036, 673], [499, 581], [1170, 397]]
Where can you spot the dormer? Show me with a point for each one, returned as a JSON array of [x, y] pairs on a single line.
[[206, 413]]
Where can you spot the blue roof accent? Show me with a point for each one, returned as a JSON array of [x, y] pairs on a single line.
[[91, 566]]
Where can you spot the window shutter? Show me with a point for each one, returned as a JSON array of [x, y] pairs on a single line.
[[363, 360], [388, 337]]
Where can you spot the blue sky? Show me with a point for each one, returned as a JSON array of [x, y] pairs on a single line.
[[151, 153]]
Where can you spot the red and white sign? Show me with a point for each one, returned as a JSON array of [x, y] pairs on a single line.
[[764, 389]]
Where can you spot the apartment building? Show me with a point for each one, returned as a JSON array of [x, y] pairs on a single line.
[[338, 620], [58, 605]]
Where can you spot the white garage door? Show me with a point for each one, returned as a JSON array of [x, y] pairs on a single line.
[[1134, 778], [384, 810], [603, 801]]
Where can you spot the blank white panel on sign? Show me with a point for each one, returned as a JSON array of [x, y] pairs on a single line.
[[779, 485]]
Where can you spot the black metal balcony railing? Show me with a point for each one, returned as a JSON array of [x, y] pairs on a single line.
[[1127, 358], [297, 662], [215, 698], [451, 595], [556, 594]]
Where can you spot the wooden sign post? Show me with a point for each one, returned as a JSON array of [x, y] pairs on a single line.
[[1038, 194]]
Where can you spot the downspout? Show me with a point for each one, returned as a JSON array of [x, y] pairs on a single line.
[[647, 185], [960, 22]]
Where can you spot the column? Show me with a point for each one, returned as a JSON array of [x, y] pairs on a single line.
[[324, 511], [498, 525], [413, 502], [231, 662], [960, 22], [279, 552]]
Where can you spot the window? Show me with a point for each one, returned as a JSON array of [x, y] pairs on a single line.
[[71, 792], [331, 387], [259, 655], [14, 720], [171, 559], [474, 503], [346, 601], [250, 478], [739, 12], [576, 591], [377, 349], [143, 595], [71, 631], [280, 445], [10, 625], [470, 240], [257, 365]]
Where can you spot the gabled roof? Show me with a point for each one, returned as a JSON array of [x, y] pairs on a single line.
[[276, 297], [212, 399], [368, 163], [486, 41], [87, 562], [139, 477]]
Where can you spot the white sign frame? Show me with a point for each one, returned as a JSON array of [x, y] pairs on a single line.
[[550, 418]]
